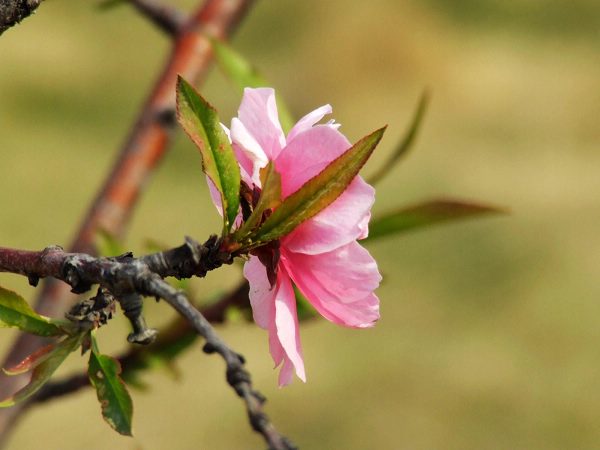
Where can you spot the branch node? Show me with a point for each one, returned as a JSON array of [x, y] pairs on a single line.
[[33, 280], [258, 396], [238, 378], [125, 257], [95, 311], [258, 421], [132, 308], [51, 249], [166, 117], [72, 276], [196, 250], [209, 348]]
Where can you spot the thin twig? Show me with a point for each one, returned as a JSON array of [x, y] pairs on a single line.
[[237, 377], [136, 357], [146, 144], [126, 276], [166, 17], [13, 11]]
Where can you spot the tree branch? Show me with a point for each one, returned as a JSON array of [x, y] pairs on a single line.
[[13, 11], [237, 377], [166, 17], [143, 149], [126, 276], [169, 342]]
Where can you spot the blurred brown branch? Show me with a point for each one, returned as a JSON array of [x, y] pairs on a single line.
[[147, 142], [14, 11]]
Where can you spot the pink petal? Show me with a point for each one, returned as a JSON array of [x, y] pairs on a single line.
[[275, 348], [339, 284], [307, 155], [342, 222], [286, 324], [262, 300], [262, 297], [275, 310], [215, 195], [308, 121], [286, 374], [258, 113], [363, 226], [249, 153]]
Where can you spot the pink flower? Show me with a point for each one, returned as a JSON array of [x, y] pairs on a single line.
[[321, 256]]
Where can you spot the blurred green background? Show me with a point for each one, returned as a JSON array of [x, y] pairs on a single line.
[[490, 328]]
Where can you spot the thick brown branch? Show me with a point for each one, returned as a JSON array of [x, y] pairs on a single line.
[[13, 11], [166, 17]]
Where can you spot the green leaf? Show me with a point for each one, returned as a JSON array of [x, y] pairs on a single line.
[[243, 75], [117, 407], [406, 143], [201, 122], [16, 313], [425, 214], [318, 192], [43, 370], [270, 198]]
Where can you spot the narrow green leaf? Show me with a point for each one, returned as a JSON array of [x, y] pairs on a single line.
[[407, 141], [201, 123], [270, 198], [425, 214], [15, 312], [243, 75], [117, 407], [44, 370], [319, 192]]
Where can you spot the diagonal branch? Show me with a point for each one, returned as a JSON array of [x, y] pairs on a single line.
[[143, 149], [237, 377]]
